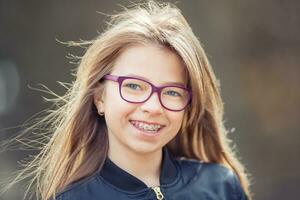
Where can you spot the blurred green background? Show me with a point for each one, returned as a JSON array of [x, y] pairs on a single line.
[[253, 46]]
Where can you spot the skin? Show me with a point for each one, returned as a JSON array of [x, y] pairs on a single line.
[[158, 65]]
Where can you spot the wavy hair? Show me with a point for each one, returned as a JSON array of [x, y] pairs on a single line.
[[78, 134]]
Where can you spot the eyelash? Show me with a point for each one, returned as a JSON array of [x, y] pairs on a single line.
[[131, 84], [177, 94]]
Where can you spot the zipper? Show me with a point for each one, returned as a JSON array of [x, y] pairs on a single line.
[[158, 193]]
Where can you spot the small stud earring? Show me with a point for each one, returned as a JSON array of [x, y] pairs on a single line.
[[101, 113]]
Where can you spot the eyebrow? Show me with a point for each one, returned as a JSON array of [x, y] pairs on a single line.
[[165, 83]]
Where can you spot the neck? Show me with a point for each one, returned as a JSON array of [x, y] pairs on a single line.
[[145, 167]]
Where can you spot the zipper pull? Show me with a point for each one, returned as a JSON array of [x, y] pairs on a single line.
[[158, 193]]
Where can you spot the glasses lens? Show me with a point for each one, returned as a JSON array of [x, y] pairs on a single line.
[[135, 90], [174, 98]]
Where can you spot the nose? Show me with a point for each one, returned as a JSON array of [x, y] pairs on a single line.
[[152, 105]]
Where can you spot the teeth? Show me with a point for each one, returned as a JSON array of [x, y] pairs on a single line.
[[146, 127]]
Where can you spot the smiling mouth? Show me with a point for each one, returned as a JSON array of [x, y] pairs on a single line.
[[147, 127]]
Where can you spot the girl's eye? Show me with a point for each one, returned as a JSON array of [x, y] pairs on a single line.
[[133, 86], [173, 93]]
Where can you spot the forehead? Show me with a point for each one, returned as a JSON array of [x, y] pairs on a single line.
[[156, 64]]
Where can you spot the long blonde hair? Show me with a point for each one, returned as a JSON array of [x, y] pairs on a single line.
[[79, 135]]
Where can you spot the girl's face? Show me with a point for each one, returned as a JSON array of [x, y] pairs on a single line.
[[126, 122]]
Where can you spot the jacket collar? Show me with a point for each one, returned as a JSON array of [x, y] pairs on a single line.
[[125, 181]]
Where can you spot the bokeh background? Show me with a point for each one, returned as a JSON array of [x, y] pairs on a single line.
[[253, 45]]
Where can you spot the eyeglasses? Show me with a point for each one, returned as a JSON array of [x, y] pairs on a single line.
[[136, 90]]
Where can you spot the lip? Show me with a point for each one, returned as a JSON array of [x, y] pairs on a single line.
[[149, 123], [147, 134]]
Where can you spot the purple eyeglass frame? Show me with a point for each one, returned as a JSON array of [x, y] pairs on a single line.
[[120, 80]]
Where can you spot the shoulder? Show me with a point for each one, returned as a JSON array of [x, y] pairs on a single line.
[[211, 176], [192, 168], [78, 190]]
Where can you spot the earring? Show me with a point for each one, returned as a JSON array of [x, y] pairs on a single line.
[[101, 113]]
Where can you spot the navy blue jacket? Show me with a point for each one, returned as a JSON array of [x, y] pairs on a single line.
[[179, 180]]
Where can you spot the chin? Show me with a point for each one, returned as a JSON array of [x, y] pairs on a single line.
[[145, 148]]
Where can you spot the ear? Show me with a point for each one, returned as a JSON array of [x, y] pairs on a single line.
[[98, 96]]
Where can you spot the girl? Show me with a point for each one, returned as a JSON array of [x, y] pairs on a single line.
[[143, 119]]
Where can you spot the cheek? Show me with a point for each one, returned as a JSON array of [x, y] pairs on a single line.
[[113, 101], [116, 109], [175, 121]]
